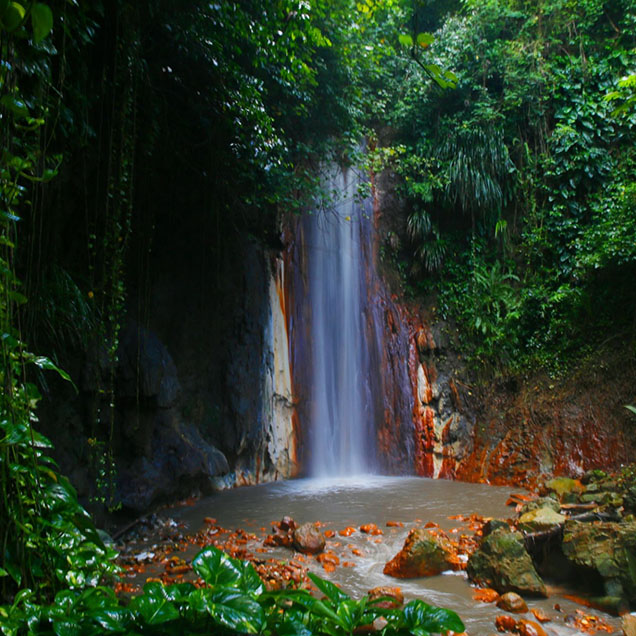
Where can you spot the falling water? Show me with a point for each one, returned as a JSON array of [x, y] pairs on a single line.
[[338, 244]]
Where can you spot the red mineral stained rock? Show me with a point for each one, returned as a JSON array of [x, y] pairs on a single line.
[[486, 595], [529, 628], [370, 528], [394, 524], [209, 520], [540, 615], [505, 623], [421, 555], [394, 594], [330, 534], [347, 532]]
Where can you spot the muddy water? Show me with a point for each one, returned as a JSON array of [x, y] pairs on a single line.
[[353, 502]]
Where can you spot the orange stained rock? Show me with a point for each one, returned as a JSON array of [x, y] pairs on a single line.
[[370, 528], [394, 524], [485, 595], [357, 551], [529, 628], [505, 623], [431, 524], [348, 564], [330, 533], [209, 520], [347, 532], [540, 615]]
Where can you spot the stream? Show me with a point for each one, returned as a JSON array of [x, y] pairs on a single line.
[[351, 502]]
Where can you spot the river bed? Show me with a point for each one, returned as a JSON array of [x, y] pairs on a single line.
[[352, 502]]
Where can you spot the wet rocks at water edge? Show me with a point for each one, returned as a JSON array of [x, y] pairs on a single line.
[[512, 602], [605, 552], [306, 538], [423, 554], [309, 539], [502, 563]]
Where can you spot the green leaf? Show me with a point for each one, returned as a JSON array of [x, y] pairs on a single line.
[[418, 614], [331, 591], [405, 39], [217, 568], [153, 606], [41, 21], [113, 619], [15, 105], [13, 16], [425, 39], [631, 408], [230, 608]]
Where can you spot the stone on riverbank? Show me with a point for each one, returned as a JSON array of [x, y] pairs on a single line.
[[502, 562], [608, 551], [540, 519], [308, 539], [423, 554]]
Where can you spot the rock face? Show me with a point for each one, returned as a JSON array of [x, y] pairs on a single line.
[[502, 562], [607, 551], [423, 554], [308, 539]]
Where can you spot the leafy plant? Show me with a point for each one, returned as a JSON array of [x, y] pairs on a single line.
[[232, 600]]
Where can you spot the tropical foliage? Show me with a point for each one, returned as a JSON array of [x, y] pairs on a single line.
[[520, 181]]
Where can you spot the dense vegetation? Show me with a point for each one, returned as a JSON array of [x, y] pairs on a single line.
[[520, 181], [510, 126]]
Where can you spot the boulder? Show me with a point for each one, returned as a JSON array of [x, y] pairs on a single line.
[[423, 554], [308, 539], [529, 628], [512, 602], [608, 551], [562, 486], [541, 502], [502, 562], [540, 519]]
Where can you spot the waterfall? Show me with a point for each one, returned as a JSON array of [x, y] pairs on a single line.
[[342, 382]]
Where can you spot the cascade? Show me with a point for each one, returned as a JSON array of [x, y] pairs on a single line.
[[342, 380]]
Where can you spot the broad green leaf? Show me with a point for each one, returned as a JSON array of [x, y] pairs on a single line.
[[418, 614], [631, 408], [217, 568], [67, 627], [331, 591], [230, 608], [114, 619], [425, 39], [13, 15], [405, 39], [41, 21], [153, 606]]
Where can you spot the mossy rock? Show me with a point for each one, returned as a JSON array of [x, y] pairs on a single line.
[[541, 502], [503, 563], [540, 519], [609, 550], [562, 486]]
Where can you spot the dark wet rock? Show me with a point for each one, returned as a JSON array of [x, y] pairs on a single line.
[[606, 550], [502, 562], [308, 539], [541, 502], [512, 602], [540, 519], [593, 475], [423, 554], [282, 533]]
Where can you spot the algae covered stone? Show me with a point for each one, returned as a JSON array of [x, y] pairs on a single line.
[[540, 519], [607, 549], [503, 563]]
